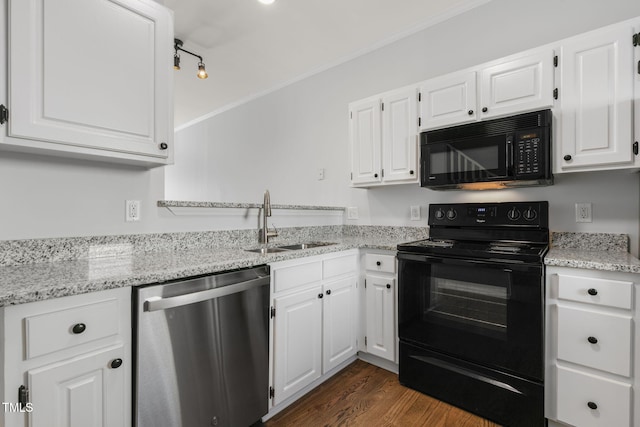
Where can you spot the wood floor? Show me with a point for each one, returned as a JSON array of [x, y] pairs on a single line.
[[365, 395]]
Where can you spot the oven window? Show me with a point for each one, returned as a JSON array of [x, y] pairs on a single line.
[[469, 304]]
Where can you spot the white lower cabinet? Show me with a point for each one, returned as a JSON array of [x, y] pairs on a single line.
[[72, 358], [314, 319], [380, 296], [590, 372]]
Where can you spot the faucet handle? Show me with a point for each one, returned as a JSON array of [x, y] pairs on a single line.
[[272, 233]]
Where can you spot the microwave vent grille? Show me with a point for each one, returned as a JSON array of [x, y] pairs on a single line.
[[490, 127]]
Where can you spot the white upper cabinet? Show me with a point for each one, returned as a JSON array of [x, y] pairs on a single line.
[[365, 137], [448, 100], [384, 139], [91, 78], [400, 136], [596, 101], [511, 85], [517, 84]]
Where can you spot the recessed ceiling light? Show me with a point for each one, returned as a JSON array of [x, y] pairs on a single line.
[[266, 1]]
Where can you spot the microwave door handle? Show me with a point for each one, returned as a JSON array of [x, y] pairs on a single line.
[[509, 158]]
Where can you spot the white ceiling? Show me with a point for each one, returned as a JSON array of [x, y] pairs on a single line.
[[250, 48]]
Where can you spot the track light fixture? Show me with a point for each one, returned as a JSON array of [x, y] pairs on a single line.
[[177, 46]]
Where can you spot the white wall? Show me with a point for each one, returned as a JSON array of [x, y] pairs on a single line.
[[284, 137], [280, 140]]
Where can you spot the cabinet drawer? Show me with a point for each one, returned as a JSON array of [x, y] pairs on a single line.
[[60, 329], [290, 277], [613, 293], [339, 266], [579, 392], [601, 341], [381, 263]]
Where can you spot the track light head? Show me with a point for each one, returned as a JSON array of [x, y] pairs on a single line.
[[177, 46]]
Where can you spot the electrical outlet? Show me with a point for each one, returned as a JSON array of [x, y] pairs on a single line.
[[132, 210], [583, 212], [352, 213], [415, 213]]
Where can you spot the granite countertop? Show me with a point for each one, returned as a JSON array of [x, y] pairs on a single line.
[[40, 281], [598, 259]]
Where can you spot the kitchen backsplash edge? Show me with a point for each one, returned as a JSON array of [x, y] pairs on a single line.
[[20, 252], [590, 241]]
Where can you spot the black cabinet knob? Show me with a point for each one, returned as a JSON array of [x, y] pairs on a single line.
[[388, 286], [593, 340], [592, 405], [164, 146], [470, 112], [411, 172], [592, 291], [485, 109], [375, 175], [567, 157], [328, 291], [378, 263], [79, 328], [116, 363], [320, 295]]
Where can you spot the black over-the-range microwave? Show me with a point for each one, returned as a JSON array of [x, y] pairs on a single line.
[[508, 152]]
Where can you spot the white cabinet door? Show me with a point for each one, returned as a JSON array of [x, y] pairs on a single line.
[[448, 100], [92, 77], [380, 330], [596, 100], [365, 137], [339, 322], [400, 136], [79, 392], [517, 85], [297, 342]]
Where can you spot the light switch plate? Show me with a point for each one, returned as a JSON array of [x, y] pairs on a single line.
[[352, 213]]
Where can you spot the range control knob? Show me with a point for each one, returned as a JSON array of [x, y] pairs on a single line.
[[452, 214], [513, 214], [439, 214], [530, 214]]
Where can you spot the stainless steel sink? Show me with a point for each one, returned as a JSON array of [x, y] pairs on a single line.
[[306, 245], [284, 248], [264, 251]]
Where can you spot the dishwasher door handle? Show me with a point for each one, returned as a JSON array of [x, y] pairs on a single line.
[[158, 303]]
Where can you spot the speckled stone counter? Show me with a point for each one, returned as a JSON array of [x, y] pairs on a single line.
[[26, 282], [595, 251]]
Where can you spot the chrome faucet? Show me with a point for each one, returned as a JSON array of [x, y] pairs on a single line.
[[266, 212]]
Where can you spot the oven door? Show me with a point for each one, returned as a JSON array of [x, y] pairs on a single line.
[[466, 161], [484, 312]]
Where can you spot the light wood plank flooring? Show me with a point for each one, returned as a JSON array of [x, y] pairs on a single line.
[[365, 395]]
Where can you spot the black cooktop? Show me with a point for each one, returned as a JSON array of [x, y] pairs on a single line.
[[513, 231]]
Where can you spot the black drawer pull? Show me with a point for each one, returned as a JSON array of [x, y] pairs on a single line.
[[320, 295], [470, 112], [592, 291], [388, 286], [592, 405], [164, 146], [328, 291], [116, 363], [593, 340], [79, 328], [567, 157]]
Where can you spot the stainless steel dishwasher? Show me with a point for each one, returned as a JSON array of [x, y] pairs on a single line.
[[202, 350]]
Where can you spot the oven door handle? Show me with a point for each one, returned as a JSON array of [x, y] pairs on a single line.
[[487, 263]]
